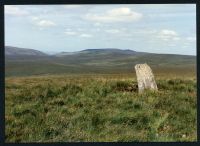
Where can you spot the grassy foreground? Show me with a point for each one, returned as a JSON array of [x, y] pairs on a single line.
[[99, 108]]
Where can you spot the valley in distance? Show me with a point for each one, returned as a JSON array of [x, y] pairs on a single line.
[[91, 96]]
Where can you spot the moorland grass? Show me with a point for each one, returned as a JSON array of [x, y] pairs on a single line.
[[99, 108]]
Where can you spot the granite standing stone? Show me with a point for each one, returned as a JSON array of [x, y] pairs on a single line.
[[145, 78]]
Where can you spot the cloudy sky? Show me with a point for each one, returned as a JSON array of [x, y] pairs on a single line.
[[147, 28]]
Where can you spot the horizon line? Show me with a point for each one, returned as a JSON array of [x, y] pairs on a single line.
[[48, 52]]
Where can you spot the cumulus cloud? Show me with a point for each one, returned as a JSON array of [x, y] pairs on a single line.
[[45, 23], [42, 22], [15, 11], [122, 14], [167, 35], [168, 32], [77, 33]]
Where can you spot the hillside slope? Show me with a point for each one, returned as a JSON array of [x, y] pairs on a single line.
[[16, 51], [96, 61]]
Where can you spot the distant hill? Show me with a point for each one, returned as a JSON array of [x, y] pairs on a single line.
[[61, 54], [105, 60], [104, 51], [15, 51], [110, 51]]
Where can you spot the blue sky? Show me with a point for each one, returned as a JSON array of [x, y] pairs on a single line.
[[155, 28]]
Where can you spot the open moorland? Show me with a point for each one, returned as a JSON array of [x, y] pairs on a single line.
[[98, 108], [92, 96]]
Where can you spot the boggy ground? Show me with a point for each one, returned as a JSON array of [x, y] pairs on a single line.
[[98, 108]]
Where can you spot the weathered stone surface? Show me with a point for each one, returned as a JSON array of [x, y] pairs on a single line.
[[145, 78]]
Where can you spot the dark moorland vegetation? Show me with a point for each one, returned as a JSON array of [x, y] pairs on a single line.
[[95, 108]]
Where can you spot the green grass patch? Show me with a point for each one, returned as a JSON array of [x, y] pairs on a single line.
[[99, 108]]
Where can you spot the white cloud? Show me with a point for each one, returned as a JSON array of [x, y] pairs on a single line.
[[71, 33], [191, 39], [15, 11], [84, 35], [168, 35], [78, 32], [45, 23], [122, 14], [42, 22], [112, 31], [168, 32]]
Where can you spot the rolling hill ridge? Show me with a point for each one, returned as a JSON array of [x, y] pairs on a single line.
[[16, 51], [25, 62]]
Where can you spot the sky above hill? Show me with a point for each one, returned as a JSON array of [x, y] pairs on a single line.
[[155, 28]]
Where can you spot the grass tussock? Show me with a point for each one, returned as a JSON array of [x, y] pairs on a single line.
[[76, 108]]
